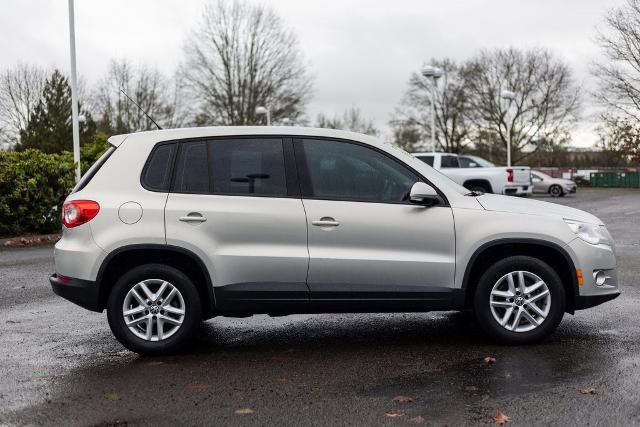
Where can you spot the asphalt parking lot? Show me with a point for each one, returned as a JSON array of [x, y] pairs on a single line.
[[59, 364]]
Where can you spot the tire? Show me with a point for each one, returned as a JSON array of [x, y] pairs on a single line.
[[164, 315], [556, 191], [495, 279], [479, 187]]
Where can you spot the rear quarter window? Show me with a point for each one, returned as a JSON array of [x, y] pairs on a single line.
[[157, 172]]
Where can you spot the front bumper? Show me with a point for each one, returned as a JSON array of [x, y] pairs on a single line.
[[85, 293], [588, 301]]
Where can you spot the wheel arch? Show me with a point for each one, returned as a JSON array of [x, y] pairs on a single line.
[[124, 258], [549, 252], [484, 182]]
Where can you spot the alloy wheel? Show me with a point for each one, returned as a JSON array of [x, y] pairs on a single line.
[[520, 301], [153, 310]]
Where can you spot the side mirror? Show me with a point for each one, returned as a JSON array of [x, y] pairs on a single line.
[[423, 194]]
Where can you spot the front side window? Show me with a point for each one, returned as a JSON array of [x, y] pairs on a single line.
[[346, 171], [466, 162]]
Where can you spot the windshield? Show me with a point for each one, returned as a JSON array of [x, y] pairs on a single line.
[[541, 175]]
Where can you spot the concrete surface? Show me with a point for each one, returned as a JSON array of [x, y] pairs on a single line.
[[59, 364]]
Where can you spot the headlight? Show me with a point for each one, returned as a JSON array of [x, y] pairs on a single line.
[[590, 233]]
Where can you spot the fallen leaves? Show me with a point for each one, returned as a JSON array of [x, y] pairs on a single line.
[[489, 360], [20, 242], [501, 419], [402, 399], [393, 413], [418, 420], [243, 411], [197, 386], [588, 390], [112, 396]]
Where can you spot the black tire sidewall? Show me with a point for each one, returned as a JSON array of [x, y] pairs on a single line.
[[558, 194], [499, 269], [153, 271]]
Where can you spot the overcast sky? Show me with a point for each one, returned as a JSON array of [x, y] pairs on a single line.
[[360, 52]]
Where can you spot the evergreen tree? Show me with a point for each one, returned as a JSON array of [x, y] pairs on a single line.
[[50, 127]]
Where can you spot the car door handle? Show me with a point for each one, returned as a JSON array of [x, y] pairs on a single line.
[[326, 222], [193, 217]]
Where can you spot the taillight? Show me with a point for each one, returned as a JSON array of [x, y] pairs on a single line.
[[78, 212], [510, 177]]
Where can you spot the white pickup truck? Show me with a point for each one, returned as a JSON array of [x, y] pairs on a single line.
[[484, 176]]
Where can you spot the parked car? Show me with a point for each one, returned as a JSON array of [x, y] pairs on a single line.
[[557, 187], [478, 175], [172, 227]]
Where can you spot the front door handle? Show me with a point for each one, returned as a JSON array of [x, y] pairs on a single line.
[[193, 217], [326, 221]]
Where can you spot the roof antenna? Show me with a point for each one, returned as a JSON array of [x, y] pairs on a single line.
[[145, 113]]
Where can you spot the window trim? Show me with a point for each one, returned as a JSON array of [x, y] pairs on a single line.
[[305, 178], [291, 181]]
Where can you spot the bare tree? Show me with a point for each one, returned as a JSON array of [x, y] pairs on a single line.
[[619, 74], [352, 119], [147, 87], [20, 92], [242, 57], [546, 103], [413, 117]]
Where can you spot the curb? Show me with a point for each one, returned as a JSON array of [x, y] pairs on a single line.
[[29, 240]]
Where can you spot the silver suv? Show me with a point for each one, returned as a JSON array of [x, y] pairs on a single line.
[[173, 227]]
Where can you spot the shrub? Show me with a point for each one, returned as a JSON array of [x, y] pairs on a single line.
[[33, 186]]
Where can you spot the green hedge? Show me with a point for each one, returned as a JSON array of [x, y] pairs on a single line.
[[33, 186]]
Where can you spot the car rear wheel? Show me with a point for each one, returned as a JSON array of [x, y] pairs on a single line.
[[519, 300], [556, 191], [153, 309]]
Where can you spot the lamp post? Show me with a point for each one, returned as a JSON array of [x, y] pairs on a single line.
[[509, 96], [264, 111], [433, 73], [74, 92]]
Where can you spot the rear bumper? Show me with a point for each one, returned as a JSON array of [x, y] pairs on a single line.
[[85, 293], [519, 190], [587, 301]]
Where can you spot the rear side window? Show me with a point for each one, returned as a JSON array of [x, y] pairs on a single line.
[[238, 167], [248, 167], [427, 159], [192, 172], [449, 162], [157, 174]]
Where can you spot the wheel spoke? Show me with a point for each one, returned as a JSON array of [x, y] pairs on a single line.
[[534, 287], [149, 331], [146, 290], [506, 316], [529, 317], [512, 286], [169, 297], [504, 304], [138, 298], [516, 320], [161, 290], [522, 287], [169, 320], [137, 321], [135, 310], [537, 297], [174, 310], [502, 294], [537, 310], [160, 324]]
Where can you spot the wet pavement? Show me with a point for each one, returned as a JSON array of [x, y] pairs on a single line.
[[59, 364]]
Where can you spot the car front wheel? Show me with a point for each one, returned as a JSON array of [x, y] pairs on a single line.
[[153, 309], [556, 191], [519, 300]]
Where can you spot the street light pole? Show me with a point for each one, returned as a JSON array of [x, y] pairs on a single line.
[[74, 92], [433, 73], [263, 110], [509, 96]]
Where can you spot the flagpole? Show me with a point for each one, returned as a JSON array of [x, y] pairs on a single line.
[[74, 92]]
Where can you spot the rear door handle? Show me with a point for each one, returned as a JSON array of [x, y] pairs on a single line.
[[326, 221], [193, 217]]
